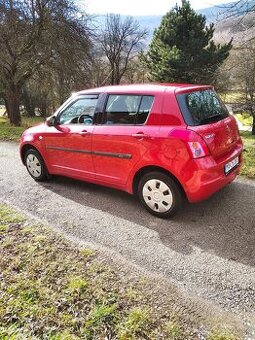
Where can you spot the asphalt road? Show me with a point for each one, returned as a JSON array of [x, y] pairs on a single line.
[[207, 249]]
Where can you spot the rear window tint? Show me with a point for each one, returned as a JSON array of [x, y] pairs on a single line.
[[144, 109], [201, 107], [127, 109]]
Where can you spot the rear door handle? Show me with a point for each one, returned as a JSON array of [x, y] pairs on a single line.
[[84, 133], [139, 135]]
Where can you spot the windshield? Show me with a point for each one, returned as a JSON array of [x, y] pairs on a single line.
[[201, 107]]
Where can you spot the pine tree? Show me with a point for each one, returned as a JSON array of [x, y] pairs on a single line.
[[182, 49]]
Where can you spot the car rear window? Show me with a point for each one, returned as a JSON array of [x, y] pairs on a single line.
[[201, 107]]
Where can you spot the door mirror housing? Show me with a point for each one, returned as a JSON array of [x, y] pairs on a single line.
[[51, 121]]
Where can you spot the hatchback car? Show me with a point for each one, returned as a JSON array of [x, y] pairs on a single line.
[[162, 142]]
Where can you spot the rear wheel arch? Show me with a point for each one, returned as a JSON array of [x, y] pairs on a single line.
[[147, 169], [160, 194]]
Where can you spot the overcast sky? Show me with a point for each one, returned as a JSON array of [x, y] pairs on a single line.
[[140, 7]]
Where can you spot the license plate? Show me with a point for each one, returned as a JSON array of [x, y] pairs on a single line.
[[230, 165]]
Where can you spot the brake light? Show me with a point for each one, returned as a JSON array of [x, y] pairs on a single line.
[[196, 145], [197, 149]]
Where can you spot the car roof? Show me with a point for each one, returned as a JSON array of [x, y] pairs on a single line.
[[146, 88]]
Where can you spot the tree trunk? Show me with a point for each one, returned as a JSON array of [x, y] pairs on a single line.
[[43, 106], [28, 103], [12, 98], [253, 126], [6, 107], [112, 77]]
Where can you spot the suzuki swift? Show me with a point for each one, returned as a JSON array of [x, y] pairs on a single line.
[[161, 142]]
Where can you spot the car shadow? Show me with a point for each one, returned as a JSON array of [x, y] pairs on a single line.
[[223, 225]]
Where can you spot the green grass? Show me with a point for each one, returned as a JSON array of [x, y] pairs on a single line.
[[248, 168], [221, 335], [13, 133], [51, 290], [244, 118]]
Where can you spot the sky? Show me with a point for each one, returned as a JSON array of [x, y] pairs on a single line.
[[140, 7]]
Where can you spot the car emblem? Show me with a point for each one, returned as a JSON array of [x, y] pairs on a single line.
[[210, 136]]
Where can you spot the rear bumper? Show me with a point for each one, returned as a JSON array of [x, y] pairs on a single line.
[[208, 175]]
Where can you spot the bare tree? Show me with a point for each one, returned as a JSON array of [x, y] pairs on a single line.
[[35, 33], [121, 40], [100, 70], [20, 30], [137, 71], [246, 77], [237, 75], [239, 17], [240, 7]]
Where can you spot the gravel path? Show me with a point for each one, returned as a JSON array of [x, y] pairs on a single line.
[[207, 249]]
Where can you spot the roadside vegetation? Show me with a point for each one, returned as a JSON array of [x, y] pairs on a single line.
[[49, 289], [244, 118], [248, 168], [10, 132]]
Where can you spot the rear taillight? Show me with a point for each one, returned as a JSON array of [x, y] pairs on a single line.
[[198, 149], [196, 145]]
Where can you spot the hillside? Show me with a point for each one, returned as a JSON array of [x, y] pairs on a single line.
[[241, 28], [229, 20]]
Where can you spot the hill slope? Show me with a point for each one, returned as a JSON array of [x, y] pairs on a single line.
[[230, 20]]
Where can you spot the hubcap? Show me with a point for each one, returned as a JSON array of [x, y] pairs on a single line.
[[34, 165], [157, 195]]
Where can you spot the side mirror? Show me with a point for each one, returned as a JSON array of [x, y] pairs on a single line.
[[51, 121]]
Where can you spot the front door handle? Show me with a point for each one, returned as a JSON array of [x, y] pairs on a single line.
[[84, 133], [139, 135]]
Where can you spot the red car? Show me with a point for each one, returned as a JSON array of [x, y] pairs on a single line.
[[162, 142]]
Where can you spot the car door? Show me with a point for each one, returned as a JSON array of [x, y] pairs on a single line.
[[68, 144], [123, 137]]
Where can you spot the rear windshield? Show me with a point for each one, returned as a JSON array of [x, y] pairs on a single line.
[[201, 107]]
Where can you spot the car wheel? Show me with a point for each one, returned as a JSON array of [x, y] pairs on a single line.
[[35, 165], [159, 194]]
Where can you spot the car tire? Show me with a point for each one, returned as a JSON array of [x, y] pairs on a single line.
[[35, 166], [159, 194]]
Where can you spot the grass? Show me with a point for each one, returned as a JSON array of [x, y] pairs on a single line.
[[244, 118], [51, 290], [221, 335], [13, 133], [248, 168]]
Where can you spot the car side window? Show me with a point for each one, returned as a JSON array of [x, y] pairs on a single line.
[[128, 109], [144, 109], [122, 109], [80, 111]]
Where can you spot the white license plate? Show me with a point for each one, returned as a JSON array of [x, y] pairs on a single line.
[[230, 165]]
